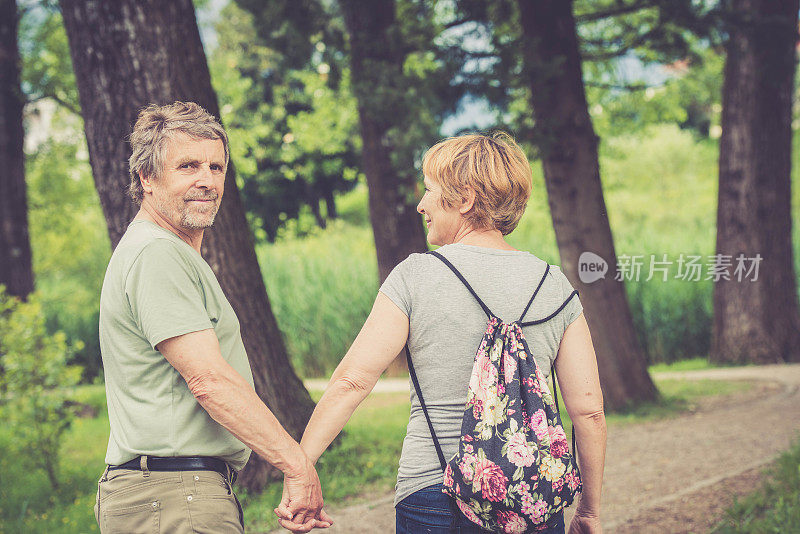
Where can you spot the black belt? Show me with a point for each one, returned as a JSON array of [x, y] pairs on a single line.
[[180, 463]]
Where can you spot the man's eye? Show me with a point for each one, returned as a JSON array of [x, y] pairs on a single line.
[[185, 165]]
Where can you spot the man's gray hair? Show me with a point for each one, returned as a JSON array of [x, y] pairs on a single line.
[[154, 126]]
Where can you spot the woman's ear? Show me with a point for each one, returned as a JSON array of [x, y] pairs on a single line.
[[468, 201]]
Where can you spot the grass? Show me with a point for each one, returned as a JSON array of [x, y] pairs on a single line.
[[365, 462], [692, 364], [774, 507]]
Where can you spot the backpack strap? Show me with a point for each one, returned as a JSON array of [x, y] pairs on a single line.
[[546, 270], [415, 381], [558, 310], [555, 398], [464, 281]]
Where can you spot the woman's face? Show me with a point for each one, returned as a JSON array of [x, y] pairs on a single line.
[[443, 223]]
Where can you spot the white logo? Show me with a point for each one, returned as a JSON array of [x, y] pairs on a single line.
[[591, 267]]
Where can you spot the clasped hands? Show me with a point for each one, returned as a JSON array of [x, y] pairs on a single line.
[[300, 509]]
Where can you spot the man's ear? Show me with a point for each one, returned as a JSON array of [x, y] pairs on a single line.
[[468, 201], [146, 182]]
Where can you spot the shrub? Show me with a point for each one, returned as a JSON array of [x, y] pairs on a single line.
[[34, 381]]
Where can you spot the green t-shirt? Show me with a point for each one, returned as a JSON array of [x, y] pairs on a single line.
[[157, 287]]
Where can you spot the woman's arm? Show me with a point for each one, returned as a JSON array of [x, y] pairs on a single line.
[[576, 369], [381, 339]]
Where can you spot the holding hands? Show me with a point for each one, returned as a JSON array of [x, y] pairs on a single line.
[[300, 509]]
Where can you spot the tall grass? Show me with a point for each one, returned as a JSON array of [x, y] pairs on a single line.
[[321, 289]]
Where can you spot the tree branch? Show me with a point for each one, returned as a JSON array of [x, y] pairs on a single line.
[[612, 12], [61, 102], [623, 87]]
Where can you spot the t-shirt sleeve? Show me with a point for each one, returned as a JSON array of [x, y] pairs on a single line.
[[574, 308], [397, 285], [164, 293]]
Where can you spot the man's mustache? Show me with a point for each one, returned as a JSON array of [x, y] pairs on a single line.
[[213, 196]]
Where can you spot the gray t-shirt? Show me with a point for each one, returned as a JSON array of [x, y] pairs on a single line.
[[158, 287], [446, 326]]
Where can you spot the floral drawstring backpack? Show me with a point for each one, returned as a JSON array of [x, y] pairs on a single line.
[[513, 470]]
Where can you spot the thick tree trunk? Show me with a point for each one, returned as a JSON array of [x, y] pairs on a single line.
[[756, 319], [127, 54], [16, 271], [568, 146], [376, 59]]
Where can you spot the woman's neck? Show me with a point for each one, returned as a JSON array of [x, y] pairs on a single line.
[[482, 238]]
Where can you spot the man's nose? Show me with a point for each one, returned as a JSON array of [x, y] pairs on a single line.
[[205, 178]]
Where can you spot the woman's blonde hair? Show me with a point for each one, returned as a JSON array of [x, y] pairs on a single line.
[[493, 166]]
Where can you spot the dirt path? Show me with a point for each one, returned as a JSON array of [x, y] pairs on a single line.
[[675, 475]]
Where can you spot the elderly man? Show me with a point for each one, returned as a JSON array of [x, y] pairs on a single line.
[[182, 409]]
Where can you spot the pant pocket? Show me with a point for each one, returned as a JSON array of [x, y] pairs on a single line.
[[139, 519]]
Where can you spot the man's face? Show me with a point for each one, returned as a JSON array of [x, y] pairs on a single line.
[[190, 188]]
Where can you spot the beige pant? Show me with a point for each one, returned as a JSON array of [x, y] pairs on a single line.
[[134, 502]]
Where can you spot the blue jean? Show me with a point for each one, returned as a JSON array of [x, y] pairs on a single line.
[[429, 511]]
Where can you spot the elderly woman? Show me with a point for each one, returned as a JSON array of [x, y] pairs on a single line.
[[476, 189]]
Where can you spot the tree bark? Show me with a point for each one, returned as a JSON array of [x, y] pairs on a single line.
[[376, 63], [756, 320], [130, 53], [568, 146], [16, 270]]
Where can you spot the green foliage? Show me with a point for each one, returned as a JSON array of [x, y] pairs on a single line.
[[773, 508], [293, 131], [321, 290], [28, 502], [46, 65], [69, 240], [690, 97], [34, 376]]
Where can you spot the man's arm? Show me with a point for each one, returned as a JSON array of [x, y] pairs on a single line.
[[232, 402]]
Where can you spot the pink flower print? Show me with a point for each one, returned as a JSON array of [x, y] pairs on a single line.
[[484, 376], [468, 447], [573, 480], [491, 480], [539, 509], [533, 386], [539, 425], [558, 484], [519, 452], [511, 522], [542, 381], [448, 477], [509, 366], [558, 441], [467, 511], [477, 409], [467, 466]]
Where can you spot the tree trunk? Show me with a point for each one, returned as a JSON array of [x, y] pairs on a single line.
[[330, 203], [376, 62], [127, 54], [568, 146], [756, 319], [16, 271]]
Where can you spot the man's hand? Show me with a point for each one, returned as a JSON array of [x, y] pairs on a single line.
[[300, 509]]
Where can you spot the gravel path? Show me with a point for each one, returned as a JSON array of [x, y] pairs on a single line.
[[669, 476]]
